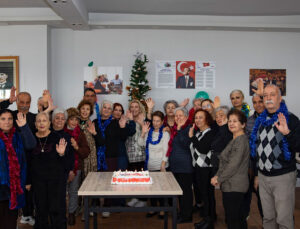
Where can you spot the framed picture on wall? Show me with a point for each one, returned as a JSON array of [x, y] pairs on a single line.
[[9, 75]]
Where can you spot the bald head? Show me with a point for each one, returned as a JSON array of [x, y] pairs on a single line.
[[23, 102]]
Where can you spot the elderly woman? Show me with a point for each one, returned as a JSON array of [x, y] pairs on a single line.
[[156, 142], [13, 166], [180, 161], [201, 141], [82, 150], [48, 165], [237, 100], [233, 171], [118, 111]]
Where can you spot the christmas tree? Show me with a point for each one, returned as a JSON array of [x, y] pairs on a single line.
[[138, 83]]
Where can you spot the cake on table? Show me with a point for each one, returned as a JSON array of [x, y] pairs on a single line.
[[131, 177]]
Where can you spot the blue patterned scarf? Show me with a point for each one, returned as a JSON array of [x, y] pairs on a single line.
[[101, 163], [262, 120]]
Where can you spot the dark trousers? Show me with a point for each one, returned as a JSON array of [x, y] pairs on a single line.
[[233, 206], [185, 181], [8, 218], [197, 194], [50, 202], [28, 208], [207, 191]]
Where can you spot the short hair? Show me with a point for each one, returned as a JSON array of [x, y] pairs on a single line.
[[206, 100], [208, 118], [142, 108], [240, 115], [225, 109], [72, 112], [274, 86], [118, 105], [183, 109], [2, 111], [85, 102], [106, 102], [24, 93], [59, 111], [89, 89], [170, 101], [237, 91], [42, 114], [158, 114]]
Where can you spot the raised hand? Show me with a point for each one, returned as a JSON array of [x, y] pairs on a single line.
[[51, 106], [61, 147], [12, 97], [282, 125], [150, 103], [122, 121], [46, 96], [217, 102], [129, 115], [260, 87], [74, 144], [91, 127], [191, 131], [145, 127], [21, 121], [185, 102]]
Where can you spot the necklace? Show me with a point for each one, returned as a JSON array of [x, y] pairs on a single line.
[[43, 146]]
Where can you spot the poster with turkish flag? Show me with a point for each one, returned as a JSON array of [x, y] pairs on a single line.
[[185, 74]]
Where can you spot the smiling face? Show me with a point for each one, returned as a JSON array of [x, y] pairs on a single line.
[[221, 118], [237, 100], [6, 122], [72, 122], [180, 118], [234, 124], [106, 110], [206, 105], [135, 109], [200, 120], [59, 121], [272, 98], [85, 112], [157, 122], [117, 113], [90, 96], [197, 104], [23, 103], [42, 123], [258, 104]]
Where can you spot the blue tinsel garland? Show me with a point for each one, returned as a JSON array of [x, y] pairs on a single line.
[[262, 120], [101, 163], [149, 141]]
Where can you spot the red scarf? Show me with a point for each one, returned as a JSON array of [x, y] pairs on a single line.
[[75, 134], [14, 168], [174, 132]]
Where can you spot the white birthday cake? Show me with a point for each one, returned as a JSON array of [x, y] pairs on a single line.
[[131, 177]]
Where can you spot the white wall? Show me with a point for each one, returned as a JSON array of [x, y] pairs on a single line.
[[30, 44], [234, 53]]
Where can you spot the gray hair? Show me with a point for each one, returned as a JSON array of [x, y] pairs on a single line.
[[59, 111], [197, 99], [183, 109], [237, 91], [106, 102], [274, 86], [225, 109], [42, 114], [170, 101]]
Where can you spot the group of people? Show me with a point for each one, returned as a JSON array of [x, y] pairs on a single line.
[[47, 155]]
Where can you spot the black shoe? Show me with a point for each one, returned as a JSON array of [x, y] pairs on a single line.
[[150, 214], [71, 219], [204, 224], [184, 220]]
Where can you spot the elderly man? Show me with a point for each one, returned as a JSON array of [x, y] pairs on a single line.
[[273, 142]]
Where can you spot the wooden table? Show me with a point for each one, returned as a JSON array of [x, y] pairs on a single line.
[[98, 185]]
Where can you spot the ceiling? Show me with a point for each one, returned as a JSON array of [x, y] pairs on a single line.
[[261, 15]]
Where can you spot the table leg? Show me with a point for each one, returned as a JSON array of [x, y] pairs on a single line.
[[86, 213], [174, 214], [166, 214], [95, 220]]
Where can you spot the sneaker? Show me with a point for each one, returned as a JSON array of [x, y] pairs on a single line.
[[132, 202], [105, 214], [27, 220], [140, 204]]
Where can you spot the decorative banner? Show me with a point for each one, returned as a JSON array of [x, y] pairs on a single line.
[[104, 80], [269, 76], [185, 74]]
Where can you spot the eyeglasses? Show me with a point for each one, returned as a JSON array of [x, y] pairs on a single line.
[[207, 106]]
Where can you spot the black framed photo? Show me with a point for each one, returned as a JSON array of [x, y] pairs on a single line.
[[9, 75]]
